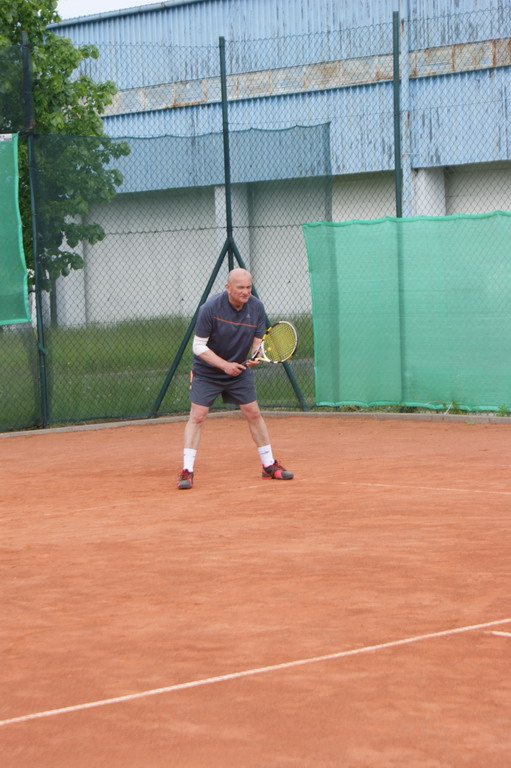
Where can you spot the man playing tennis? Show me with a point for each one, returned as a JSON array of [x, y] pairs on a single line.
[[229, 325]]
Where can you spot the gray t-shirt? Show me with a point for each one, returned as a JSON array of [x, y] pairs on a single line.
[[230, 331]]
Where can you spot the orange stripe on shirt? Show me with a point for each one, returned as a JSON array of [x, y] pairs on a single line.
[[221, 320]]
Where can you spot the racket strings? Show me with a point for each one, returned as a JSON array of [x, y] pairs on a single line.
[[280, 342]]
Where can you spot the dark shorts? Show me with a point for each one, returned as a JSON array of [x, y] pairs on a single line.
[[237, 390]]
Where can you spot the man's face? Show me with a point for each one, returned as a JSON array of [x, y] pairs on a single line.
[[239, 290]]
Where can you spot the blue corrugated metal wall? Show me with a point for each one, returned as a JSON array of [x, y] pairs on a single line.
[[178, 43], [201, 22]]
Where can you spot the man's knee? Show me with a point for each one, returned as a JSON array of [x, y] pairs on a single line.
[[198, 414], [251, 411]]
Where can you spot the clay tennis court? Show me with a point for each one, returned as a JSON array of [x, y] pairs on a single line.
[[357, 616]]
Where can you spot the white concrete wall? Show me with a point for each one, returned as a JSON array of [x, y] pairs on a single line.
[[161, 248], [479, 189], [277, 248], [152, 262], [428, 185], [369, 196]]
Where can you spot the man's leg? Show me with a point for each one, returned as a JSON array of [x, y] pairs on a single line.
[[256, 423], [261, 436], [192, 436], [193, 429]]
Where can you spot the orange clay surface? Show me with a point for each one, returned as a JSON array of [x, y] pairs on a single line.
[[195, 623]]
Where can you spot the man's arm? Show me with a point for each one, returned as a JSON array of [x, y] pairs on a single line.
[[201, 349]]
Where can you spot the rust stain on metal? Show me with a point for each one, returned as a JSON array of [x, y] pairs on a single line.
[[323, 73], [382, 72], [413, 65], [178, 105], [434, 62]]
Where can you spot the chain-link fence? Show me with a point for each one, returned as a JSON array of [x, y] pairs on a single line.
[[115, 325], [349, 124], [12, 116]]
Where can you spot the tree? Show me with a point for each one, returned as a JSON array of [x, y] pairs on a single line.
[[73, 154]]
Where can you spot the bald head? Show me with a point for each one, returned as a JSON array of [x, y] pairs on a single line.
[[239, 287], [238, 274]]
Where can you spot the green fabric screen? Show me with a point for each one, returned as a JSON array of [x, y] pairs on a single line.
[[13, 271], [412, 312]]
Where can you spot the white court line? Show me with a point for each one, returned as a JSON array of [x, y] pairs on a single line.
[[296, 480], [439, 489], [423, 488], [501, 634], [249, 672]]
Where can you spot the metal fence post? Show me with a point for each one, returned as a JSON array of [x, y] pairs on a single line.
[[398, 179], [404, 110], [227, 154], [29, 128], [399, 198]]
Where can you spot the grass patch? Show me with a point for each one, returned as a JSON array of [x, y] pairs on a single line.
[[117, 371]]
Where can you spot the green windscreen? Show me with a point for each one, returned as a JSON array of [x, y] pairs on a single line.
[[412, 312], [13, 271]]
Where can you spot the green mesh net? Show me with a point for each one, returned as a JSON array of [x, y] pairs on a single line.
[[412, 312], [13, 272]]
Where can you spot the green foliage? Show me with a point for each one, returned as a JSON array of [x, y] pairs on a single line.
[[11, 87], [453, 408], [73, 173]]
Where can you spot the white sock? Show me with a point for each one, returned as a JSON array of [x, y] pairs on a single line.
[[189, 455], [266, 455]]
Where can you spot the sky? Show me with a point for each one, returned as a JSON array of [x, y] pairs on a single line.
[[70, 9]]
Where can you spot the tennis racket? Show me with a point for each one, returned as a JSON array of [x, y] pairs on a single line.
[[278, 343]]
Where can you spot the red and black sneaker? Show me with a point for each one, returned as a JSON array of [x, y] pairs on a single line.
[[277, 472], [185, 480]]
